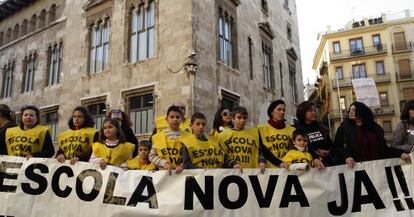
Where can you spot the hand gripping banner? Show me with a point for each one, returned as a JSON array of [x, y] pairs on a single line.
[[44, 187]]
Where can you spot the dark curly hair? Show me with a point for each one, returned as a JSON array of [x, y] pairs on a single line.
[[29, 107], [405, 114], [7, 113], [364, 113], [88, 121]]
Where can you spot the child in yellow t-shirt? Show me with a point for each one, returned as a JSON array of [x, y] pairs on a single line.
[[141, 161], [298, 156]]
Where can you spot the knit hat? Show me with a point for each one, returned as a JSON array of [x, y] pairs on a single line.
[[273, 105]]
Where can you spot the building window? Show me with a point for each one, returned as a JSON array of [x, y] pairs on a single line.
[[7, 86], [339, 73], [380, 67], [358, 71], [54, 54], [286, 4], [404, 69], [265, 6], [357, 47], [289, 31], [383, 98], [337, 47], [292, 78], [268, 73], [250, 43], [227, 30], [229, 100], [408, 94], [29, 68], [376, 40], [1, 38], [16, 32], [400, 42], [342, 103], [50, 119], [8, 36], [142, 38], [99, 46], [387, 126], [52, 13], [33, 23], [24, 27], [141, 112], [42, 19], [97, 111], [281, 79]]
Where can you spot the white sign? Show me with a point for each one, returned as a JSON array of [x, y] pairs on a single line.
[[44, 187], [366, 91]]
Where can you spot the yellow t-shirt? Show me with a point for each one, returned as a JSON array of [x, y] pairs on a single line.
[[25, 142], [204, 154], [169, 149], [275, 140], [76, 142], [113, 155], [137, 164], [242, 146], [295, 156]]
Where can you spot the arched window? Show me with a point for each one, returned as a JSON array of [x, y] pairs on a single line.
[[16, 32], [1, 38], [42, 19], [99, 46], [24, 28], [33, 23], [52, 13]]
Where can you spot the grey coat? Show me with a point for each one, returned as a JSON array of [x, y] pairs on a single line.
[[403, 137]]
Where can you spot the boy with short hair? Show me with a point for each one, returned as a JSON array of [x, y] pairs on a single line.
[[167, 150], [141, 161], [298, 156], [241, 144]]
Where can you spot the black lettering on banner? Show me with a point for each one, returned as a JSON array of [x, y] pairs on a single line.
[[266, 200], [343, 207], [4, 175], [293, 181], [40, 180], [97, 184], [391, 184], [55, 181], [361, 178], [192, 187], [401, 179], [223, 196], [109, 197], [151, 198]]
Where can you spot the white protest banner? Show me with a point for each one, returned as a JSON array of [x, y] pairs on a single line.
[[44, 187], [366, 91]]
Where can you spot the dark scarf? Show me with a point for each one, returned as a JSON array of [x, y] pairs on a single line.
[[277, 124]]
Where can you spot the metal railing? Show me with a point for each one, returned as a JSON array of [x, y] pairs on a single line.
[[378, 111], [405, 76], [347, 81], [353, 53], [402, 47]]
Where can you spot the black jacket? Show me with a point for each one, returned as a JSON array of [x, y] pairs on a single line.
[[130, 137], [319, 138], [346, 141], [3, 147]]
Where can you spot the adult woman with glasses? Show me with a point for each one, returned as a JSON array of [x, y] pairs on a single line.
[[30, 139], [222, 121]]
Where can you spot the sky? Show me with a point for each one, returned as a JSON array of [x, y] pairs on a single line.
[[315, 15]]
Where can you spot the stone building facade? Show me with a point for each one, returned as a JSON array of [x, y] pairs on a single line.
[[142, 55]]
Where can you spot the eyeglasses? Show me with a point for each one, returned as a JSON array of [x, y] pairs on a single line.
[[226, 113]]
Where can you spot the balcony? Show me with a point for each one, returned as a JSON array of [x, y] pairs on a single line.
[[402, 47], [405, 76], [378, 111], [356, 53], [347, 82]]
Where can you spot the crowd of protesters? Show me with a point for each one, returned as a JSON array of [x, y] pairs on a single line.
[[179, 143]]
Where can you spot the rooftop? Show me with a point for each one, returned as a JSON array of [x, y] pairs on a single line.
[[10, 7]]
